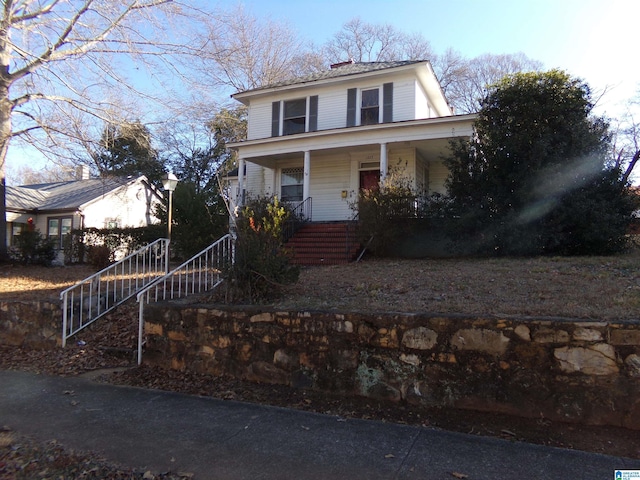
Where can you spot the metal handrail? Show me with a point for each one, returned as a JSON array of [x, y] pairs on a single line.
[[300, 215], [95, 296], [199, 274]]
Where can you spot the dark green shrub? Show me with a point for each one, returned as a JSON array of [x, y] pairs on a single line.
[[385, 214], [34, 248], [536, 177], [99, 256], [125, 240], [198, 220], [262, 265]]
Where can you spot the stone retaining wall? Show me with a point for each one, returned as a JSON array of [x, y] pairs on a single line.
[[33, 324], [567, 370]]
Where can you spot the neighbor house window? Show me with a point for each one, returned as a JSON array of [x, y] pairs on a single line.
[[16, 230], [291, 184], [111, 223], [58, 228], [370, 108], [289, 117]]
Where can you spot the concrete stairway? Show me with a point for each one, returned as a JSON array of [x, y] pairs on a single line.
[[324, 244]]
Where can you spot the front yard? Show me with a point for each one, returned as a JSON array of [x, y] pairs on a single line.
[[591, 288], [577, 287]]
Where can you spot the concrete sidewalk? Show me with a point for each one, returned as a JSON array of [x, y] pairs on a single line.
[[214, 439]]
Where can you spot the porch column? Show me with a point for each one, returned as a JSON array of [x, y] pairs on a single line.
[[306, 175], [240, 196], [384, 167], [274, 174]]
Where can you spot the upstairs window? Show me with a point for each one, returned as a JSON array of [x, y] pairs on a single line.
[[294, 118], [364, 106], [289, 117], [291, 184], [370, 107]]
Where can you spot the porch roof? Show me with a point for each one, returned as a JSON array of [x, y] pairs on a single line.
[[430, 136]]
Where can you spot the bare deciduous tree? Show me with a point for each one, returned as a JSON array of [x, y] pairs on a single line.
[[468, 80], [27, 175], [244, 52], [626, 139], [463, 80], [64, 62], [365, 42]]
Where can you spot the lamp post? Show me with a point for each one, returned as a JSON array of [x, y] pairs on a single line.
[[169, 183]]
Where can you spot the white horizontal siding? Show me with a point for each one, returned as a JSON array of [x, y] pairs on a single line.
[[402, 165], [130, 206], [403, 100], [259, 124], [422, 174], [422, 103], [409, 103], [254, 183], [332, 108], [330, 176], [438, 174]]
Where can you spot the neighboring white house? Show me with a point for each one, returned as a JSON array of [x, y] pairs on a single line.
[[57, 208], [323, 137]]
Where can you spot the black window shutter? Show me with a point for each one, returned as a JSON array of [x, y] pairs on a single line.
[[275, 119], [387, 102], [313, 113], [351, 107]]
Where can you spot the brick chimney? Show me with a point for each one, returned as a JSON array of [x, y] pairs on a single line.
[[342, 64]]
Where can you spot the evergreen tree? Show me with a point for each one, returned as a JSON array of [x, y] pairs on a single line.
[[126, 150], [535, 178]]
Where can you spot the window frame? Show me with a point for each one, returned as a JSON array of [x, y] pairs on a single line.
[[61, 233], [299, 187], [111, 222], [291, 120], [362, 109], [355, 108], [279, 120], [16, 230]]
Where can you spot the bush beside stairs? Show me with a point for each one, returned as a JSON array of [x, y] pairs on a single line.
[[324, 244]]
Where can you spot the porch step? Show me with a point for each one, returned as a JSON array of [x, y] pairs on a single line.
[[324, 244]]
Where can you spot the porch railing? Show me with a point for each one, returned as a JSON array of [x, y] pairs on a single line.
[[300, 215], [95, 296], [199, 274]]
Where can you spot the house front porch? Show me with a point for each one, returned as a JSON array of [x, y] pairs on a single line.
[[331, 167]]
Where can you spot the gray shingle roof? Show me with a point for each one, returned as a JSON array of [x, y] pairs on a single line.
[[61, 195], [344, 70]]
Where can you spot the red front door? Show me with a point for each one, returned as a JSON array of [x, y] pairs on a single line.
[[369, 179]]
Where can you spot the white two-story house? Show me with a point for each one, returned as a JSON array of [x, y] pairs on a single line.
[[323, 137]]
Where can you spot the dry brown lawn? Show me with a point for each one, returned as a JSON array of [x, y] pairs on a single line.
[[578, 287], [33, 282], [584, 287]]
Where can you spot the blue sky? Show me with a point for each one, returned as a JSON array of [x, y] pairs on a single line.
[[591, 39]]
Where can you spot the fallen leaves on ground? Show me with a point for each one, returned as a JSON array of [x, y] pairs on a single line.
[[22, 458]]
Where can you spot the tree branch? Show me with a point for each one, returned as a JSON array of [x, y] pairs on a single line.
[[630, 167]]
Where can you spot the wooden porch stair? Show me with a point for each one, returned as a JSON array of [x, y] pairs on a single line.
[[324, 244]]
